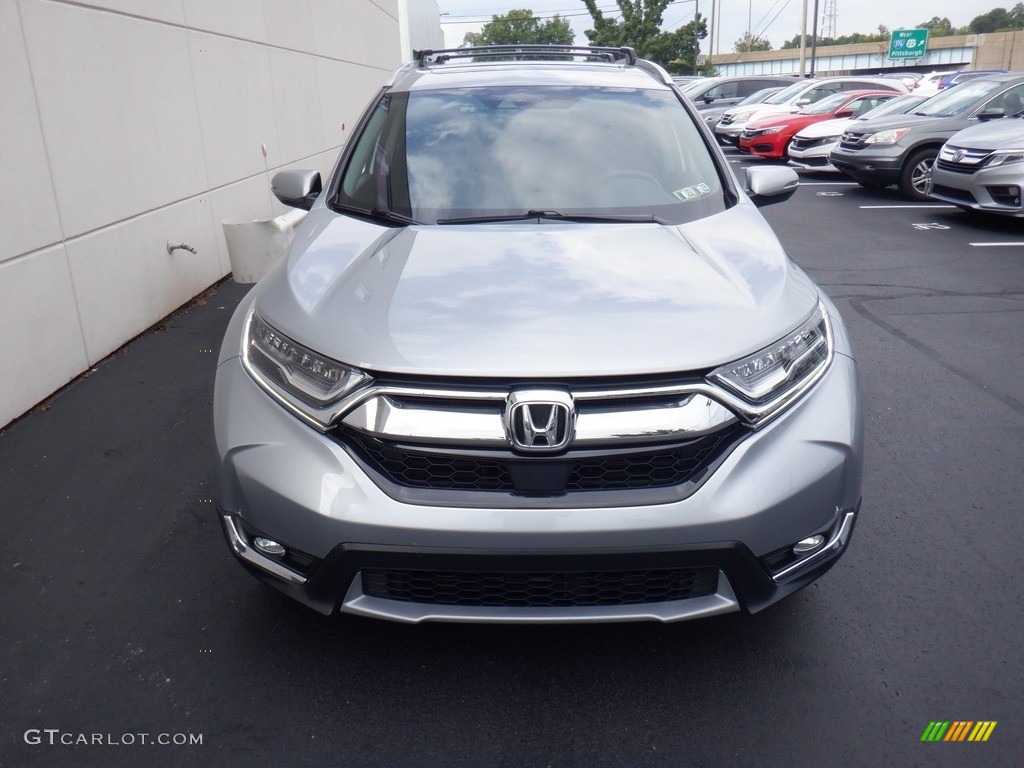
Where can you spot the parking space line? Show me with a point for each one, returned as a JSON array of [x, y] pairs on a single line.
[[998, 245], [923, 205]]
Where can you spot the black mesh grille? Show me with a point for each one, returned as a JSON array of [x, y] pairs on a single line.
[[528, 590], [438, 469], [955, 167], [852, 140]]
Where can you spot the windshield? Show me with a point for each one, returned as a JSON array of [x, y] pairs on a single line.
[[957, 100], [789, 92], [699, 86], [826, 105], [898, 106], [505, 151], [758, 96]]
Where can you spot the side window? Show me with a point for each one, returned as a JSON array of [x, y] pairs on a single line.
[[723, 91], [1010, 102], [819, 93], [865, 103], [747, 87]]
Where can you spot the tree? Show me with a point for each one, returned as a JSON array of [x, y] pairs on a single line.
[[1017, 16], [751, 42], [521, 27], [641, 22], [938, 27], [639, 28], [996, 20], [677, 51]]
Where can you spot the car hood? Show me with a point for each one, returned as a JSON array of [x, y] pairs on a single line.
[[1007, 133], [532, 300], [826, 128], [788, 120], [916, 122], [758, 111]]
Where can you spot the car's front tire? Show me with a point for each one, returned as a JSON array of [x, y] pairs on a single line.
[[916, 172]]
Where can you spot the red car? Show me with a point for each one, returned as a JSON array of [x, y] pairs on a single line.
[[769, 136]]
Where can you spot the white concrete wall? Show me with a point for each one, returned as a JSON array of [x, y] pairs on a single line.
[[126, 123], [420, 27]]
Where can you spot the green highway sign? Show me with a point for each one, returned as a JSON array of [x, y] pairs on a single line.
[[908, 43]]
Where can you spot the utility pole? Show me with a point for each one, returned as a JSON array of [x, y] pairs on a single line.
[[803, 40], [814, 37]]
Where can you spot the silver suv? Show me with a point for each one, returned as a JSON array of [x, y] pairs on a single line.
[[535, 356]]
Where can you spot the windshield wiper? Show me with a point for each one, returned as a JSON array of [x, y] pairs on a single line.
[[557, 216], [378, 214]]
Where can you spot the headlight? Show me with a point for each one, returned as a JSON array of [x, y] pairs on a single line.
[[777, 375], [887, 137], [305, 382], [773, 129], [1005, 157]]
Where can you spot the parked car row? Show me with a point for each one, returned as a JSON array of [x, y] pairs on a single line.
[[811, 146], [771, 136], [869, 130], [981, 156], [901, 149], [795, 97]]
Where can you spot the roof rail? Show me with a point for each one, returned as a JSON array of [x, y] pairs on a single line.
[[583, 52]]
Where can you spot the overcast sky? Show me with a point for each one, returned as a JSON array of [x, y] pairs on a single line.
[[778, 20]]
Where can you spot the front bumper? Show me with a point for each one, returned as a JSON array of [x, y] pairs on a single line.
[[769, 146], [996, 190], [730, 134], [797, 476], [468, 582], [813, 159], [879, 165]]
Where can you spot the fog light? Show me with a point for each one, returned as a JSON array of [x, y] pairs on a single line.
[[811, 543], [271, 547]]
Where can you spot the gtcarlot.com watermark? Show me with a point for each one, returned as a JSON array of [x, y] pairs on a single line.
[[53, 737]]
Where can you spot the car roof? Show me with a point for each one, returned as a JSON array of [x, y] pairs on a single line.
[[490, 65]]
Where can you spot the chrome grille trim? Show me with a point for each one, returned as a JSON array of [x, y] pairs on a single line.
[[468, 424]]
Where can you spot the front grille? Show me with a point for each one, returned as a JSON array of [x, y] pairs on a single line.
[[852, 140], [442, 468], [955, 167], [540, 589], [803, 144]]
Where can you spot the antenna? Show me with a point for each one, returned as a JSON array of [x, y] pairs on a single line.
[[828, 19]]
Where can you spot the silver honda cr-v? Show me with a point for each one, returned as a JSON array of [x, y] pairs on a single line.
[[535, 356]]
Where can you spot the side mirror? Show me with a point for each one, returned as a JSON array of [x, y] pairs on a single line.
[[299, 189], [990, 113], [843, 113], [767, 186], [802, 102], [708, 98]]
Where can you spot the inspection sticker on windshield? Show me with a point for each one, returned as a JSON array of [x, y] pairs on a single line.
[[689, 193]]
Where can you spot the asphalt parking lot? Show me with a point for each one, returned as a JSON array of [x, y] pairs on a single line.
[[124, 614]]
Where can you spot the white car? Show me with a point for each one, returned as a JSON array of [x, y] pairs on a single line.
[[796, 97], [809, 149], [929, 84]]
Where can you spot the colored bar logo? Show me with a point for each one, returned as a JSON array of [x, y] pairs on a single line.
[[958, 730]]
